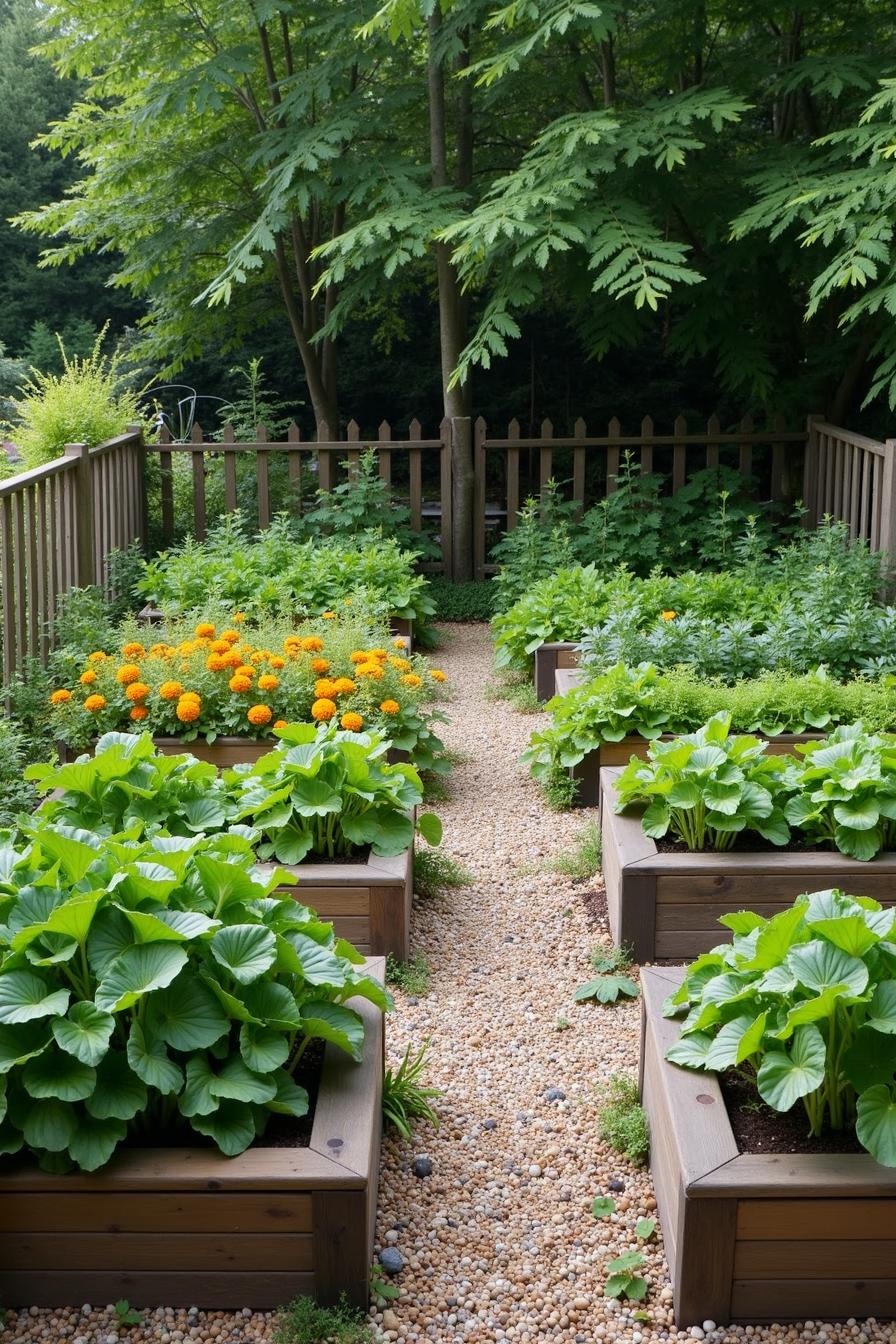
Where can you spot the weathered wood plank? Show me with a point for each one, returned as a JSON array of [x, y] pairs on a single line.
[[216, 1211], [815, 1219], [50, 1251], [805, 1257], [755, 1301]]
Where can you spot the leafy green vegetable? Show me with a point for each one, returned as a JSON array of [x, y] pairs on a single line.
[[805, 1003], [607, 989]]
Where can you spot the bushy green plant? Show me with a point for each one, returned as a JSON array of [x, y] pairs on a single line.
[[304, 1322], [436, 872], [805, 1004], [328, 793], [621, 1121], [364, 502], [627, 525], [275, 573], [843, 792], [707, 787], [538, 545], [151, 985], [405, 1097], [87, 403], [16, 795], [641, 701], [474, 601]]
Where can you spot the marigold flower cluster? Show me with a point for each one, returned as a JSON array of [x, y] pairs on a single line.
[[232, 681]]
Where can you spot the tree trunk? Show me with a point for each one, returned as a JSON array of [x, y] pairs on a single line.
[[453, 307]]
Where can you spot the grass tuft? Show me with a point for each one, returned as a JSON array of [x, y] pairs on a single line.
[[411, 976], [583, 859], [621, 1121], [436, 872], [304, 1322]]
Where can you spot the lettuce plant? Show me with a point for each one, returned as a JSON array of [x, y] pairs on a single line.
[[805, 1005], [157, 986], [843, 792], [328, 793], [707, 787]]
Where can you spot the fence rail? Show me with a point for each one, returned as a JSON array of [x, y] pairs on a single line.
[[851, 477]]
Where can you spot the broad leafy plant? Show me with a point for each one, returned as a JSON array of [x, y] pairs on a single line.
[[328, 793], [707, 787], [155, 986], [844, 791], [805, 1004]]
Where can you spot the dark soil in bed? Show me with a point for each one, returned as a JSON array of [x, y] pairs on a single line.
[[759, 1129]]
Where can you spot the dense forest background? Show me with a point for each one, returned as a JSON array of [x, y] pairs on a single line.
[[682, 151]]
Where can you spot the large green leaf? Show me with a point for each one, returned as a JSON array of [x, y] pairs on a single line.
[[691, 1051], [25, 997], [224, 883], [187, 1015], [430, 827], [57, 1074], [150, 1061], [876, 1124], [137, 971], [50, 1124], [71, 919], [849, 932], [385, 829], [84, 1032], [320, 966], [314, 797], [95, 1141], [233, 1007], [235, 1082], [334, 1023], [777, 938], [75, 850], [263, 1048], [784, 1078], [819, 965], [882, 1008], [247, 951], [735, 1042], [870, 1059], [232, 1127], [119, 1094], [197, 1098], [812, 1010], [272, 1004], [289, 1099], [22, 1042], [110, 935]]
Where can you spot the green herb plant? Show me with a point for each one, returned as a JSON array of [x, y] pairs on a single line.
[[406, 1098], [621, 1121], [804, 1004], [151, 986]]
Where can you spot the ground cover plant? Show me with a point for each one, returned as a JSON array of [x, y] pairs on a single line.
[[804, 1004], [209, 679], [707, 787], [321, 793], [157, 985], [276, 573], [643, 701]]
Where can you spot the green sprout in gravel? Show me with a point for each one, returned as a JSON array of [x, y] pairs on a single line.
[[405, 1098], [621, 1121], [411, 976], [582, 860], [436, 872], [612, 983], [304, 1322]]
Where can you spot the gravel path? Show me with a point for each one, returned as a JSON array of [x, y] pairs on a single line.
[[498, 1241]]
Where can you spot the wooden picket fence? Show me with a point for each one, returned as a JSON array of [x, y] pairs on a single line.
[[60, 522]]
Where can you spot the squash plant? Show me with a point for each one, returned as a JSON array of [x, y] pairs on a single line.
[[157, 985], [326, 792], [128, 780], [706, 787], [805, 1005]]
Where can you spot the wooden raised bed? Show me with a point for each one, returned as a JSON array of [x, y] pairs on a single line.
[[368, 903], [188, 1227], [548, 658], [667, 906], [757, 1237]]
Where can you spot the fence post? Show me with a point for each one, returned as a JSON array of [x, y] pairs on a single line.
[[888, 503], [142, 499], [83, 513], [462, 506], [810, 471]]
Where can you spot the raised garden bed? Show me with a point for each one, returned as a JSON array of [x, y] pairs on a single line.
[[188, 1227], [368, 903], [548, 658], [755, 1237], [666, 906]]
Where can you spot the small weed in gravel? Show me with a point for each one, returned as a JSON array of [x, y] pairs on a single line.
[[560, 790], [583, 859], [304, 1322], [436, 872], [517, 690], [411, 976], [610, 959], [621, 1121], [406, 1098]]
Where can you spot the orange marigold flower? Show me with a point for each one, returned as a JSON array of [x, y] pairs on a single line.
[[98, 657], [399, 642], [312, 643], [60, 697], [328, 615], [352, 723], [259, 715], [215, 663], [139, 713], [369, 670], [186, 647], [87, 678], [378, 653], [134, 650], [324, 689], [411, 679], [205, 630], [94, 703], [358, 656], [344, 686], [668, 615], [188, 709], [239, 617], [127, 673], [233, 658], [137, 691], [401, 664], [256, 657], [170, 690], [268, 682], [390, 706], [323, 709], [239, 685], [320, 665], [277, 662], [219, 646], [437, 675], [162, 651], [229, 636], [246, 670], [280, 723]]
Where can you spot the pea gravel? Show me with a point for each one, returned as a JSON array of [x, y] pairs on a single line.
[[497, 1240]]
